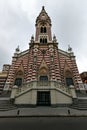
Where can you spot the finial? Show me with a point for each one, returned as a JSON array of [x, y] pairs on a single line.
[[42, 7], [54, 38], [71, 52], [69, 48], [32, 39], [17, 49]]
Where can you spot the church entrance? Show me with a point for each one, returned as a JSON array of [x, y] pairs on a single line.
[[43, 98]]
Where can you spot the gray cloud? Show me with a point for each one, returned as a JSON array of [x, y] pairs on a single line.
[[15, 28], [17, 24]]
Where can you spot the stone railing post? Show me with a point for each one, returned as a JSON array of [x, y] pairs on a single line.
[[13, 92], [73, 92]]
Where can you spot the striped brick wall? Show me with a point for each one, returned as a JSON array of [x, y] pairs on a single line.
[[72, 66], [16, 63], [2, 83]]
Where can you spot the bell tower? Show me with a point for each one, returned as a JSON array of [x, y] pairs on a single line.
[[43, 28]]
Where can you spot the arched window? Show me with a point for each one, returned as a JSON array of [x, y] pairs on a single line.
[[18, 78], [44, 78], [43, 29], [43, 40], [18, 82], [69, 81], [69, 78]]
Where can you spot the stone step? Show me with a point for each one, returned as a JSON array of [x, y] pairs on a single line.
[[81, 104], [79, 108], [6, 105], [5, 94], [7, 108]]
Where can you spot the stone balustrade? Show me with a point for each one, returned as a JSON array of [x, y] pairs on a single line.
[[43, 85]]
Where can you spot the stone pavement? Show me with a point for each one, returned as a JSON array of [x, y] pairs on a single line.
[[43, 111]]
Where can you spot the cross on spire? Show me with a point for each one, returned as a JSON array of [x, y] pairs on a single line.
[[42, 7]]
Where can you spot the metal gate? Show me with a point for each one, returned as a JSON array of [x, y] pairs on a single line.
[[43, 98]]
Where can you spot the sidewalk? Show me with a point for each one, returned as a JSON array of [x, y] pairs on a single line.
[[43, 112]]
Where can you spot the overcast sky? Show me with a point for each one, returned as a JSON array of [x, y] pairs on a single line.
[[69, 24]]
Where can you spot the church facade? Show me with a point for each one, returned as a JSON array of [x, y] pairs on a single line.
[[43, 75]]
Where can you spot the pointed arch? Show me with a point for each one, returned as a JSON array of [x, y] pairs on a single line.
[[41, 30], [68, 74], [45, 30], [19, 76], [43, 72], [68, 78], [41, 40], [45, 40], [43, 65]]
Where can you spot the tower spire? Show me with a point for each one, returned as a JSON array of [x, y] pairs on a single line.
[[43, 8], [43, 27]]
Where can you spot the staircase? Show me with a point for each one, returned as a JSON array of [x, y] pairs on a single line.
[[5, 104], [5, 94], [81, 94], [80, 104]]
